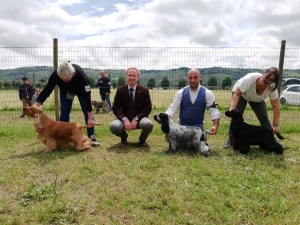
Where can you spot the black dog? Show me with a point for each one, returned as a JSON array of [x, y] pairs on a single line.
[[183, 136], [245, 135]]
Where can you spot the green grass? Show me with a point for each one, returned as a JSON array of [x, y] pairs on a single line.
[[114, 184]]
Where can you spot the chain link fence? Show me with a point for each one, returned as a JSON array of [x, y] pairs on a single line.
[[156, 64]]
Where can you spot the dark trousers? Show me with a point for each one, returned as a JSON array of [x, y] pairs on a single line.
[[105, 97], [65, 110]]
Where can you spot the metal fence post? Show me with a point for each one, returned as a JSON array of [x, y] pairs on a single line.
[[55, 65], [281, 61]]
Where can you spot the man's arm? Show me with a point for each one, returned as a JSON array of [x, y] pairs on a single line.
[[213, 110], [175, 104]]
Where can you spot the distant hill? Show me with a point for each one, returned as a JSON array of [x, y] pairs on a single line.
[[174, 75]]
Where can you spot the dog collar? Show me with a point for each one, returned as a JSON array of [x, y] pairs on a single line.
[[51, 125]]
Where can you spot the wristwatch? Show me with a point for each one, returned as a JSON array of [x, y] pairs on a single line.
[[136, 118]]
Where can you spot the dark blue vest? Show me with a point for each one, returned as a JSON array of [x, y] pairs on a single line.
[[192, 114]]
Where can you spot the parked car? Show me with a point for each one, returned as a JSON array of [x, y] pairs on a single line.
[[291, 95], [291, 81]]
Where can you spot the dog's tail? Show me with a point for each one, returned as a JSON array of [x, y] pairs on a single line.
[[96, 124], [280, 137]]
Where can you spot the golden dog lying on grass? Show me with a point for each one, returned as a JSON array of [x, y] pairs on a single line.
[[55, 134]]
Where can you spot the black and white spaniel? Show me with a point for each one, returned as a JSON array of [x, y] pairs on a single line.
[[246, 135], [179, 136]]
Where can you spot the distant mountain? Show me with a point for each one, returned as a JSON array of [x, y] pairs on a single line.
[[174, 75]]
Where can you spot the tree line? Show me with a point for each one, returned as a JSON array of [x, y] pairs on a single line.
[[151, 83]]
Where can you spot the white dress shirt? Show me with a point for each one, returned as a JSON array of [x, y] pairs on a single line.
[[210, 99]]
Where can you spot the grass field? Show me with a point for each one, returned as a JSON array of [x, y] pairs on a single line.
[[113, 184]]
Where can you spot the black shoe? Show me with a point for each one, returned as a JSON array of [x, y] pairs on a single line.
[[142, 144], [22, 115], [124, 141]]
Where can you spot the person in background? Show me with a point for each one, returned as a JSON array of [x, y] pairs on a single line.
[[104, 87], [26, 91], [71, 80], [255, 88], [36, 94], [132, 106], [193, 101]]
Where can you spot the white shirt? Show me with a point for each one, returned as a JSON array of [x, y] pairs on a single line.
[[210, 99], [247, 85]]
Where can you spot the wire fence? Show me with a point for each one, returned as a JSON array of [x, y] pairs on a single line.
[[155, 63]]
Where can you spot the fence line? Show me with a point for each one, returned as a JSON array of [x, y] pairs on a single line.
[[157, 63]]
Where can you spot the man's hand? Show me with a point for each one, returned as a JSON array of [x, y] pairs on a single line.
[[276, 129], [130, 125], [90, 123], [213, 130], [37, 104]]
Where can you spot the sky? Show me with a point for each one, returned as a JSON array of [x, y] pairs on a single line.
[[150, 23]]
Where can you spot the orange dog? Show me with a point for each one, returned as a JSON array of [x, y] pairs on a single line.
[[55, 134]]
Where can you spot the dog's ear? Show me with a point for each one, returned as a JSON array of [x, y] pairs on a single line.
[[202, 137], [165, 128], [237, 115], [38, 123]]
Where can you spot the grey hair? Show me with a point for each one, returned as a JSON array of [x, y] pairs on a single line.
[[133, 68], [65, 70]]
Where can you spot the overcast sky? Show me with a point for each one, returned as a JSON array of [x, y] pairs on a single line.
[[150, 23]]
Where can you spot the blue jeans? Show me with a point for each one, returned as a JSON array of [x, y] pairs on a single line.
[[65, 110], [105, 97]]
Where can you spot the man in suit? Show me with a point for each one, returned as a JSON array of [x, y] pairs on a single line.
[[132, 106]]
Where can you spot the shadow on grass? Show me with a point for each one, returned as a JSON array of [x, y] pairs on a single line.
[[124, 149], [185, 153], [255, 152], [39, 153]]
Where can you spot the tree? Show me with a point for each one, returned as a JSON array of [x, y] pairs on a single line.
[[227, 82], [165, 83], [151, 83], [114, 84], [212, 81], [182, 83], [42, 80], [15, 84], [7, 84], [92, 81], [121, 81]]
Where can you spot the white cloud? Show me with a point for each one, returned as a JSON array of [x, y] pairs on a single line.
[[150, 23], [66, 2]]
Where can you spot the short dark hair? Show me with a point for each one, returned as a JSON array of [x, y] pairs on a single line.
[[24, 78]]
